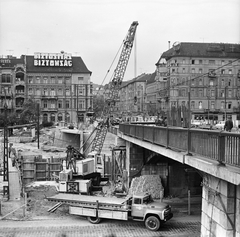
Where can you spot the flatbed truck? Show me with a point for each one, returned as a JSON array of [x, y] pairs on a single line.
[[139, 207]]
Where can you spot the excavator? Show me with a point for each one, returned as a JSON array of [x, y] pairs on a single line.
[[80, 174]]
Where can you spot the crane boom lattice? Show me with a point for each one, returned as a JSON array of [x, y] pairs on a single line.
[[115, 84]]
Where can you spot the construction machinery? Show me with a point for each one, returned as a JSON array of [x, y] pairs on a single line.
[[80, 172]]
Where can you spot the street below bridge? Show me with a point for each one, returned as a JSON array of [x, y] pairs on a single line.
[[73, 226]]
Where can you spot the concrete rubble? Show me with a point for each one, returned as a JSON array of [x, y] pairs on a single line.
[[147, 184]]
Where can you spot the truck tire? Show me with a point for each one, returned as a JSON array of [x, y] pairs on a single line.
[[93, 220], [152, 223]]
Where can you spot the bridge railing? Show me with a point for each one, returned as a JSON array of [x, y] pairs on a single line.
[[220, 146]]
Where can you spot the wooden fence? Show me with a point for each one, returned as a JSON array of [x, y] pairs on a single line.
[[39, 169]]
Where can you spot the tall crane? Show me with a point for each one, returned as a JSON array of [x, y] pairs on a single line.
[[115, 84]]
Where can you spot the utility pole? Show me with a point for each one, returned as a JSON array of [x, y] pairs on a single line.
[[5, 153], [225, 96], [38, 115]]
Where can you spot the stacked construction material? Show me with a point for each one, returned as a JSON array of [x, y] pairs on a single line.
[[147, 184]]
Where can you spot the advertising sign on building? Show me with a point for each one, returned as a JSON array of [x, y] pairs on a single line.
[[52, 59]]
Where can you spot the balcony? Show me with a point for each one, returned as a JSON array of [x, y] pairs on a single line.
[[49, 97], [49, 109], [20, 82], [212, 74]]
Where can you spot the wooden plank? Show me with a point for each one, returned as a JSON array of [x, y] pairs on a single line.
[[87, 199], [111, 214], [82, 211]]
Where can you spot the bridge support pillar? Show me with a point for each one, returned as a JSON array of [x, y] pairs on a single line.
[[220, 208]]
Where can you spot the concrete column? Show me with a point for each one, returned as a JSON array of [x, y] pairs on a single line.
[[128, 146], [220, 208]]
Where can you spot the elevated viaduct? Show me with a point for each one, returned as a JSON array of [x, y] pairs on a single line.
[[214, 155]]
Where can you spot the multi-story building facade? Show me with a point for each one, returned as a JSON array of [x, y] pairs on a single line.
[[12, 80], [132, 96], [58, 82], [204, 75]]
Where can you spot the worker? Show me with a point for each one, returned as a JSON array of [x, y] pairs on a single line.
[[228, 125]]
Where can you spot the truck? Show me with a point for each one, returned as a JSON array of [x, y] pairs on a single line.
[[137, 207]]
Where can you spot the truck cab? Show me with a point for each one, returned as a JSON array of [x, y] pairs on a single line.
[[144, 208]]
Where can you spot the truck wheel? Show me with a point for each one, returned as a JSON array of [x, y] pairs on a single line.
[[152, 223], [93, 220]]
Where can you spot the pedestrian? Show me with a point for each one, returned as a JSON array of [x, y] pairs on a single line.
[[228, 125]]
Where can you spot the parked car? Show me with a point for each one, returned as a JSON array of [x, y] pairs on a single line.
[[219, 125]]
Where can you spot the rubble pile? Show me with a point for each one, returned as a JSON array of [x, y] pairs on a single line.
[[147, 184]]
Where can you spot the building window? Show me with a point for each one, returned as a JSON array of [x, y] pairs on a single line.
[[67, 104], [200, 104], [45, 80], [60, 104], [60, 117], [6, 78], [30, 80], [45, 104], [80, 80], [222, 94], [211, 82], [223, 82], [212, 105], [212, 93], [192, 82], [183, 103], [60, 92], [45, 91], [183, 70], [192, 104], [222, 71], [30, 91], [173, 70], [52, 80], [53, 105], [193, 70], [67, 92], [200, 93], [52, 92], [45, 117], [230, 71], [229, 106], [38, 91], [229, 82], [60, 80], [67, 117], [200, 61], [222, 105], [200, 82], [200, 70], [193, 61], [81, 105], [38, 80], [52, 117], [222, 62], [67, 80], [211, 62], [229, 93]]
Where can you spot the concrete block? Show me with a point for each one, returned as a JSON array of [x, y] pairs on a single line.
[[14, 185], [221, 232], [238, 215], [205, 220], [238, 191], [204, 232]]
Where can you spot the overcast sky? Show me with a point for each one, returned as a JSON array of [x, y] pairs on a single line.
[[95, 29]]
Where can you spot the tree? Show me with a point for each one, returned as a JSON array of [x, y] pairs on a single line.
[[98, 105], [29, 113]]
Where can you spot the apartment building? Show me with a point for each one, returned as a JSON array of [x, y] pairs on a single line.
[[132, 96], [58, 82], [12, 77], [204, 75]]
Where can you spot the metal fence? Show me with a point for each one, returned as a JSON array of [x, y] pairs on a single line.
[[217, 145]]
